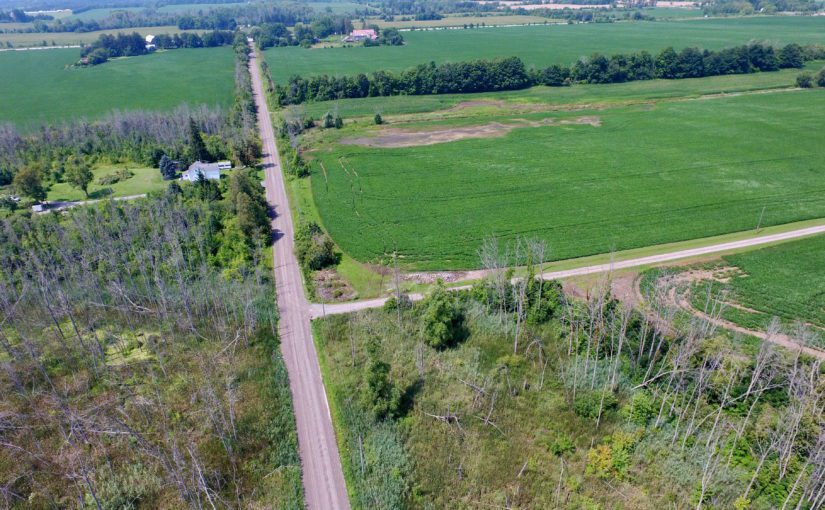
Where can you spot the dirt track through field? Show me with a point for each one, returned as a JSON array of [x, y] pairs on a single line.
[[683, 302], [322, 476], [395, 137]]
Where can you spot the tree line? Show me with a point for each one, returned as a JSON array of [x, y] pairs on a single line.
[[219, 18], [130, 45], [511, 73], [19, 16]]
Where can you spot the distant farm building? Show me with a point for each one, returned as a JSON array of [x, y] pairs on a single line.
[[209, 171], [225, 165], [361, 35], [150, 44]]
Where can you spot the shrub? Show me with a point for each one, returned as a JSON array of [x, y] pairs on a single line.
[[611, 459], [562, 444], [820, 77], [442, 318], [805, 81], [382, 397], [392, 304], [587, 403], [121, 175], [313, 247], [640, 409], [378, 119]]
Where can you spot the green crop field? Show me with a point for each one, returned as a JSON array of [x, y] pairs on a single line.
[[23, 40], [457, 21], [672, 12], [785, 281], [98, 14], [44, 89], [598, 180], [338, 7], [543, 45]]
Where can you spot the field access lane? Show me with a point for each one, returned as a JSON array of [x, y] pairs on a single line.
[[319, 310], [323, 478]]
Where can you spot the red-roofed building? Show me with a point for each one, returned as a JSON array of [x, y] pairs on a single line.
[[361, 35]]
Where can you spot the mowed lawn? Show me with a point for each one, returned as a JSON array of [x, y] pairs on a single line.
[[650, 174], [42, 88], [144, 180], [544, 45]]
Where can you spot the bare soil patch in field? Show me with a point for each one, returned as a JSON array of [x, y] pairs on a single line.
[[395, 138]]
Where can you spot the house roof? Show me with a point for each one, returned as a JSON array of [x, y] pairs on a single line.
[[204, 168], [363, 33]]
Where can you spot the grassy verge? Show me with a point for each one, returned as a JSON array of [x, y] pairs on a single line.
[[333, 400]]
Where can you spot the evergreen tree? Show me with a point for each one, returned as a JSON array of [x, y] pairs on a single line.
[[378, 119], [168, 168], [197, 149]]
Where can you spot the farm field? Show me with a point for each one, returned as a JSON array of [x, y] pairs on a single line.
[[338, 7], [46, 90], [784, 281], [98, 14], [543, 45], [672, 12], [144, 180], [459, 21], [587, 181], [28, 39]]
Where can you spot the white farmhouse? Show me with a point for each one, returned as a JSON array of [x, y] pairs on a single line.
[[225, 165], [209, 171]]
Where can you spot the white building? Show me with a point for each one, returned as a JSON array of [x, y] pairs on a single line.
[[225, 165], [210, 171]]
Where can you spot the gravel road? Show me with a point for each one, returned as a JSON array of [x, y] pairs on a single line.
[[323, 478], [319, 310]]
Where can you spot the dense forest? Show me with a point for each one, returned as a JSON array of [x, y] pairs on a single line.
[[515, 395], [511, 73]]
